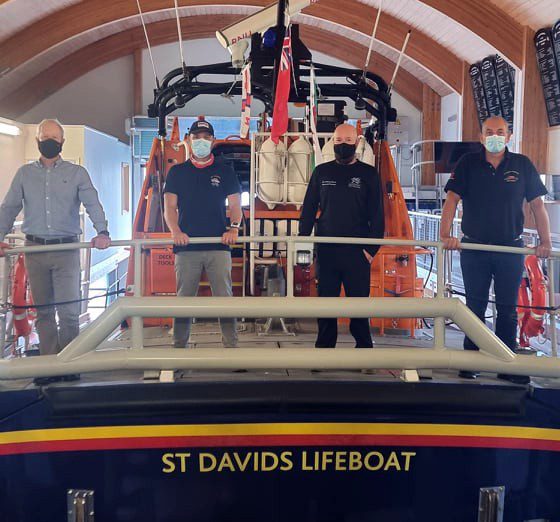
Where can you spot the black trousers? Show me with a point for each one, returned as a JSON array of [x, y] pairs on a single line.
[[479, 268], [343, 265]]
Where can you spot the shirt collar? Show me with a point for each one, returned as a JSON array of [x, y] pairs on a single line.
[[56, 163], [507, 155]]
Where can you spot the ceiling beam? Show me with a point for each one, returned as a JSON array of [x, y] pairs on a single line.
[[488, 21], [122, 44], [86, 16]]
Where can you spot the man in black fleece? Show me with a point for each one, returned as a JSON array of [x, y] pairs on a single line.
[[348, 195]]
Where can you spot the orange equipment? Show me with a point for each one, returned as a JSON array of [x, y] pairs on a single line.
[[21, 300], [533, 285], [158, 262]]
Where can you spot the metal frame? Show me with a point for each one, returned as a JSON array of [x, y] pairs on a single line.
[[80, 355]]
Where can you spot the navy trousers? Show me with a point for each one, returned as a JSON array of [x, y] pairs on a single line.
[[479, 268]]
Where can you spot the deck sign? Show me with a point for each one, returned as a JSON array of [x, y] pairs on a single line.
[[490, 82], [505, 77], [478, 93], [550, 78]]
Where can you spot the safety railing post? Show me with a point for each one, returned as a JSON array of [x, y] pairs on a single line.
[[4, 288], [290, 267], [552, 304], [439, 322], [137, 323]]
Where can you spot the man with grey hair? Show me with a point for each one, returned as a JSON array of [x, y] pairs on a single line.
[[493, 184], [51, 191]]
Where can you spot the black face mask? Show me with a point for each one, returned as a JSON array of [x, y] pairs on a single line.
[[50, 148], [344, 152]]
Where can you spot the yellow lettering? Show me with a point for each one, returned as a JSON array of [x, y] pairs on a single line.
[[242, 463], [226, 462], [327, 458], [340, 461], [203, 458], [286, 458], [167, 459], [266, 466], [355, 461], [407, 456], [393, 461], [378, 456], [304, 465], [183, 457]]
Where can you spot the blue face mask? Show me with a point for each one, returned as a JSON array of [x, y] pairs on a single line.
[[201, 148], [495, 144]]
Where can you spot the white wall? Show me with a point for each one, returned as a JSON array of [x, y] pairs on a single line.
[[450, 117], [102, 99]]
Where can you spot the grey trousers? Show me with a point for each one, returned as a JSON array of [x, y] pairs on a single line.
[[54, 277], [188, 270]]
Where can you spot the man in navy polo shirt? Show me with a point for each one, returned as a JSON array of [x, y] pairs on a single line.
[[493, 185], [195, 206]]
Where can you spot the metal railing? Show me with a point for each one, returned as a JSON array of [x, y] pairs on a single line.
[[80, 356]]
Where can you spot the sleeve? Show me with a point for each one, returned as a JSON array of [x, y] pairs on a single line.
[[310, 206], [231, 183], [458, 181], [89, 197], [171, 184], [534, 187], [377, 216], [12, 205]]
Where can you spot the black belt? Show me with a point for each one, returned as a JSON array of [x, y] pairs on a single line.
[[43, 241]]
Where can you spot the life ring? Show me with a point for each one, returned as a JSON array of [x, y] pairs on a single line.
[[21, 297], [532, 292]]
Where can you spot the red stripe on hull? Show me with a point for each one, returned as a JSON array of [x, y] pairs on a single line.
[[441, 441]]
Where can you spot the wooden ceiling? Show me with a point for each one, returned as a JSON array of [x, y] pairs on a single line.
[[52, 42]]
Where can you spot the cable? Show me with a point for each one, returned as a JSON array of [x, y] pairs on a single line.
[[430, 271], [29, 307], [544, 308], [183, 65], [148, 43], [373, 34]]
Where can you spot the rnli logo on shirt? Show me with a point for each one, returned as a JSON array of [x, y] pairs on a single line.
[[328, 183], [511, 176], [215, 181], [355, 183]]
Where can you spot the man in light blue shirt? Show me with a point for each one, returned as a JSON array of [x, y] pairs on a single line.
[[50, 191]]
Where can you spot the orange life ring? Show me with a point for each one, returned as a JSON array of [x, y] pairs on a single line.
[[21, 297], [532, 292]]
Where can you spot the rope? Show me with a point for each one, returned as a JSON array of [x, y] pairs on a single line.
[[148, 43], [373, 34], [183, 65], [10, 306]]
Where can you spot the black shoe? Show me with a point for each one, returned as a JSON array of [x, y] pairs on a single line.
[[72, 377], [466, 374], [241, 370], [516, 379], [44, 381]]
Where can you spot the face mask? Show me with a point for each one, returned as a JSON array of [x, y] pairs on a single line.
[[201, 148], [495, 144], [344, 152], [50, 148]]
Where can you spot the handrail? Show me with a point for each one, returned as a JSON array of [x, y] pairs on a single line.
[[80, 356]]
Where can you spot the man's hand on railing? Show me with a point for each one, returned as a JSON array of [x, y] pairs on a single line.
[[451, 243], [543, 250], [179, 238], [101, 241], [3, 248], [230, 237]]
